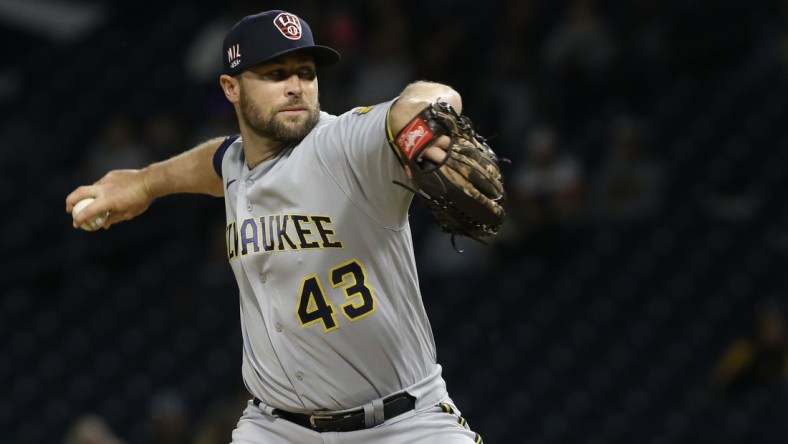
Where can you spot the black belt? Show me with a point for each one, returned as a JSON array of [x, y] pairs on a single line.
[[348, 421]]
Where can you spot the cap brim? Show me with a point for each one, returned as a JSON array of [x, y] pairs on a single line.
[[323, 55]]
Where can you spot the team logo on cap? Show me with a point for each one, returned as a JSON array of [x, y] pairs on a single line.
[[288, 25]]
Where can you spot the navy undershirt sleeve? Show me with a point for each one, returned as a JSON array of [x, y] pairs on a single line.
[[219, 154]]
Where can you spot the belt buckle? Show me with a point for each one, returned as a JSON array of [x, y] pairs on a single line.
[[313, 417]]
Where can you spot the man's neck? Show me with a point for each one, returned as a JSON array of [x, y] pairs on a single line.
[[258, 149]]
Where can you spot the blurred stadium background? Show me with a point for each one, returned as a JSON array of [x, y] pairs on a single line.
[[636, 294]]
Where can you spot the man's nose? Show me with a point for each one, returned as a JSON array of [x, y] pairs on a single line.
[[293, 85]]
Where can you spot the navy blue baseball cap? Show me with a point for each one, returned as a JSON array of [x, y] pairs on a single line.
[[261, 37]]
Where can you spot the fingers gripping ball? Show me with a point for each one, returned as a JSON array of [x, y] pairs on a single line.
[[91, 224]]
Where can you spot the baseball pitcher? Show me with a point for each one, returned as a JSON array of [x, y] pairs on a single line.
[[336, 343]]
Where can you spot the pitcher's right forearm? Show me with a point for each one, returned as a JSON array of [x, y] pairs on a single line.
[[189, 172], [125, 194]]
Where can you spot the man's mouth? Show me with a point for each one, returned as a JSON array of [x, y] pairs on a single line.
[[293, 109]]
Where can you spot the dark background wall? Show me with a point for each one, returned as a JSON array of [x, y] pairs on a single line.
[[646, 239]]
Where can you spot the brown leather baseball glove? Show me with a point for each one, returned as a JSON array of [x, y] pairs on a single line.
[[465, 191]]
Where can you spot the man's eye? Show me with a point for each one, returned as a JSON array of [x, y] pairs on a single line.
[[306, 73]]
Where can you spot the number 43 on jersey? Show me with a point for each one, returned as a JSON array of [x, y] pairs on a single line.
[[313, 303]]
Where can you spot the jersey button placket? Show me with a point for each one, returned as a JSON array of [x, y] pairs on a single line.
[[242, 198], [248, 183], [299, 376]]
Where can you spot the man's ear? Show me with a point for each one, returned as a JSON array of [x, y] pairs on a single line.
[[231, 87]]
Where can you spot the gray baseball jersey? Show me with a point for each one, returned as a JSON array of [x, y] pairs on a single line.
[[319, 241]]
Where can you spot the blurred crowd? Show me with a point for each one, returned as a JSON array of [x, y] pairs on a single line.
[[565, 91]]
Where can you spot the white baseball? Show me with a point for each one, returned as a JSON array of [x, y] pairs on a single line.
[[91, 224]]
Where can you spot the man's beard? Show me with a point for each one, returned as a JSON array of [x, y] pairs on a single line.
[[276, 129]]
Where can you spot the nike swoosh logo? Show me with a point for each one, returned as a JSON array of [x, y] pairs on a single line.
[[229, 182]]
